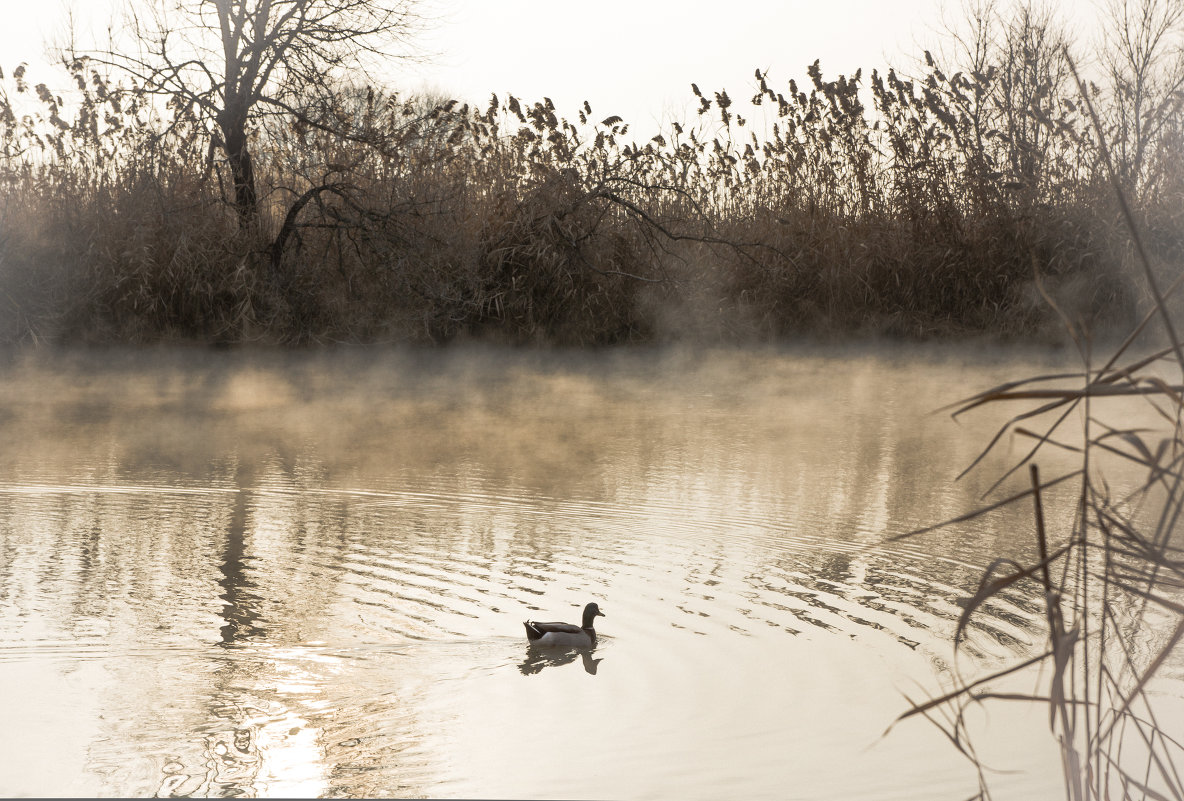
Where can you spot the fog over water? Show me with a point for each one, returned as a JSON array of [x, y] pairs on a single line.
[[306, 573]]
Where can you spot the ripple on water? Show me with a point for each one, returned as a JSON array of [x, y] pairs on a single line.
[[318, 590], [425, 564]]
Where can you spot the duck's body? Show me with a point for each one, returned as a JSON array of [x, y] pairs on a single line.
[[565, 635]]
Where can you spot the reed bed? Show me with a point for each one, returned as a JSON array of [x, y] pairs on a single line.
[[924, 206], [1111, 585]]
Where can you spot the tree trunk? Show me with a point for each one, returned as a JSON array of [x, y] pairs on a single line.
[[246, 199]]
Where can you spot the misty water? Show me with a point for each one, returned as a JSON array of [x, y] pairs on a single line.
[[306, 574]]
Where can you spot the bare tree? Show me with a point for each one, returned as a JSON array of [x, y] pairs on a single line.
[[1015, 52], [231, 62], [1032, 77], [1144, 60]]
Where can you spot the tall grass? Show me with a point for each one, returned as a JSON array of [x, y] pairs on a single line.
[[1112, 587], [429, 220]]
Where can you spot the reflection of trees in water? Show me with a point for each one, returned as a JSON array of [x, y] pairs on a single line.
[[231, 756], [138, 574], [908, 599], [232, 764], [612, 481], [349, 727], [241, 608], [376, 744], [281, 568]]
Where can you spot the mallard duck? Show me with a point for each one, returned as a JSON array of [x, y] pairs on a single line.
[[565, 634]]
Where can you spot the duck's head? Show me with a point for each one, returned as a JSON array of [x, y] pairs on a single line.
[[591, 612]]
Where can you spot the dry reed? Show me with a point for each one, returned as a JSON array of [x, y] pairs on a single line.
[[1112, 588], [416, 219]]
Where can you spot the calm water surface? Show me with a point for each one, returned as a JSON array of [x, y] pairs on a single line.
[[307, 575]]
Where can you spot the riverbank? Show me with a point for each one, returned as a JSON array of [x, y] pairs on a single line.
[[129, 269], [939, 206]]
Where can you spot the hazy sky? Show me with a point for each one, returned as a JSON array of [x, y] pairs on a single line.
[[635, 58]]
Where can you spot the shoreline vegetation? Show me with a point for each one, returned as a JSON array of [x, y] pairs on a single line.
[[1109, 578], [971, 199]]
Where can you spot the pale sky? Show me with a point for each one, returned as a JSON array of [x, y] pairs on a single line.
[[638, 58], [634, 58]]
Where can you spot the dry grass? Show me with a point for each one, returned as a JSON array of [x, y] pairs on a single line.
[[931, 213]]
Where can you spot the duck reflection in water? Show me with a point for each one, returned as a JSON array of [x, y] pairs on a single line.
[[539, 658]]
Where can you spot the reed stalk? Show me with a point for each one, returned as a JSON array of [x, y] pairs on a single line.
[[1113, 586]]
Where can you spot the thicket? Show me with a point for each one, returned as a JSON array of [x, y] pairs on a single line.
[[955, 201]]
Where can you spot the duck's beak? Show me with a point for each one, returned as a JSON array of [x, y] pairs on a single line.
[[600, 614]]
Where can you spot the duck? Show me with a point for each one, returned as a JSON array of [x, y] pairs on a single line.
[[565, 634]]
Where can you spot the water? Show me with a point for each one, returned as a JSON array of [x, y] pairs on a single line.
[[307, 574]]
